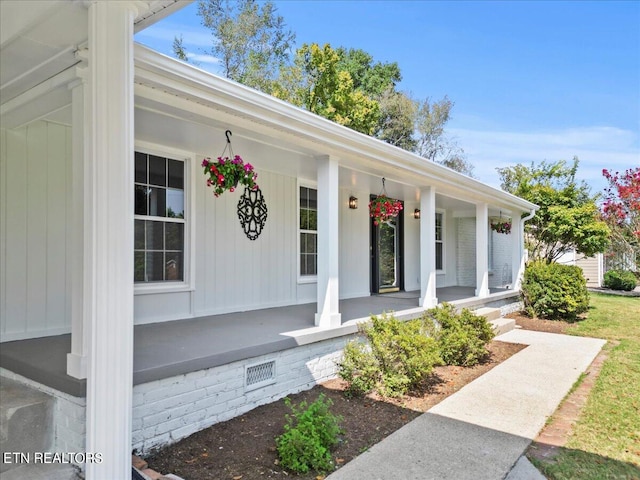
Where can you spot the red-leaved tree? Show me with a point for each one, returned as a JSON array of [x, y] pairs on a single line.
[[621, 210]]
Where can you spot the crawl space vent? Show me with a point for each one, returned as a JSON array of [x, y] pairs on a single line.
[[259, 375]]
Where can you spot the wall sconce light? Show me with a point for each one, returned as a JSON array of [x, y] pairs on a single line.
[[353, 202], [416, 214]]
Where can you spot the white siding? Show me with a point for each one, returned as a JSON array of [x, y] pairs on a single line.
[[466, 252], [449, 277], [411, 247], [354, 246], [234, 273], [501, 273], [33, 262]]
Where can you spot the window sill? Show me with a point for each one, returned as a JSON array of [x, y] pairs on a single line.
[[148, 289], [307, 280]]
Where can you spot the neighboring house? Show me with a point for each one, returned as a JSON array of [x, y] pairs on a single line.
[[88, 250], [592, 267]]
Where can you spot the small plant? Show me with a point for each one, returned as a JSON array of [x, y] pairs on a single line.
[[620, 280], [308, 436], [383, 208], [462, 337], [396, 358], [501, 226], [554, 291], [227, 173]]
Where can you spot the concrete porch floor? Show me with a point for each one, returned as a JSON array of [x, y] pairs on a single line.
[[166, 349]]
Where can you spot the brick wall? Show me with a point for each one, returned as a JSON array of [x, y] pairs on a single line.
[[167, 410]]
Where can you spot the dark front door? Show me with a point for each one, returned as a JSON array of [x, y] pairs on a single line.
[[386, 256]]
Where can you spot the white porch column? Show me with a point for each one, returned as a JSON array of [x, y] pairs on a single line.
[[109, 116], [482, 252], [518, 251], [328, 314], [80, 240], [428, 297]]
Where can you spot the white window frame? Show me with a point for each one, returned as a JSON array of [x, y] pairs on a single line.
[[303, 278], [187, 284], [443, 241]]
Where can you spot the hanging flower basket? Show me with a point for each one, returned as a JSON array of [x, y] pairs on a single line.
[[383, 208], [226, 174], [501, 226]]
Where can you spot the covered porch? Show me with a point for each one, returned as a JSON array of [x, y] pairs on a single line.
[[167, 349]]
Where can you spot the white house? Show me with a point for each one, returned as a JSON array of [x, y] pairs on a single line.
[[107, 228]]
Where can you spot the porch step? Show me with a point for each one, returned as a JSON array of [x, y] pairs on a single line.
[[503, 325], [26, 417], [489, 313], [49, 471]]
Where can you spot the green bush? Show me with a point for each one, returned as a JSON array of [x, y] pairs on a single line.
[[397, 357], [620, 280], [554, 291], [308, 436], [462, 337]]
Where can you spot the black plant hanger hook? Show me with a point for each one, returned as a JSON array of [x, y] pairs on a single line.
[[227, 135]]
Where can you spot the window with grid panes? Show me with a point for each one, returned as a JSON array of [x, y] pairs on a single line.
[[439, 241], [308, 227], [159, 219]]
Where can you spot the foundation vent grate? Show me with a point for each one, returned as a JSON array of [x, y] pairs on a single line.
[[259, 375]]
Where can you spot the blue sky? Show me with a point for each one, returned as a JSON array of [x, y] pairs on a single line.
[[531, 80]]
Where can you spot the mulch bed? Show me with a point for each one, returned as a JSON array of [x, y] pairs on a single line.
[[540, 325], [243, 448]]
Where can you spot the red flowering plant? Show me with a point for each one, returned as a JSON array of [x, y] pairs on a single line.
[[383, 208], [501, 226], [226, 173], [621, 207]]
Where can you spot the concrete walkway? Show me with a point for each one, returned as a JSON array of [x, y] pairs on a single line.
[[481, 431]]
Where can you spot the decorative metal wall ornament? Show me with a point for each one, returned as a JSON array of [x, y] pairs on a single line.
[[252, 212]]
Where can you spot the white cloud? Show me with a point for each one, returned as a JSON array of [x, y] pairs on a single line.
[[165, 32], [597, 148], [203, 58]]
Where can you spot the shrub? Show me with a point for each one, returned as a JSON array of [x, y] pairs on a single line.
[[308, 436], [554, 291], [462, 337], [397, 357], [620, 280]]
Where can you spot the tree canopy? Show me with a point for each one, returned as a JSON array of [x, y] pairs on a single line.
[[345, 85], [568, 217], [316, 83], [250, 40], [621, 211]]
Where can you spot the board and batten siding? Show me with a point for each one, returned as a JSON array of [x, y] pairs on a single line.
[[35, 168], [354, 245], [234, 273]]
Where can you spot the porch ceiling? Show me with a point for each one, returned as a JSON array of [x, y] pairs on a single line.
[[39, 38]]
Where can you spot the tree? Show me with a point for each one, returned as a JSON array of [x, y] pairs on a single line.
[[315, 82], [371, 78], [433, 143], [250, 40], [179, 49], [568, 217], [397, 119], [621, 211]]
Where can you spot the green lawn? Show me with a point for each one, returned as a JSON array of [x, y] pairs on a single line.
[[606, 439]]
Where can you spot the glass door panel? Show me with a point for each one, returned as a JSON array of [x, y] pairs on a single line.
[[387, 258]]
